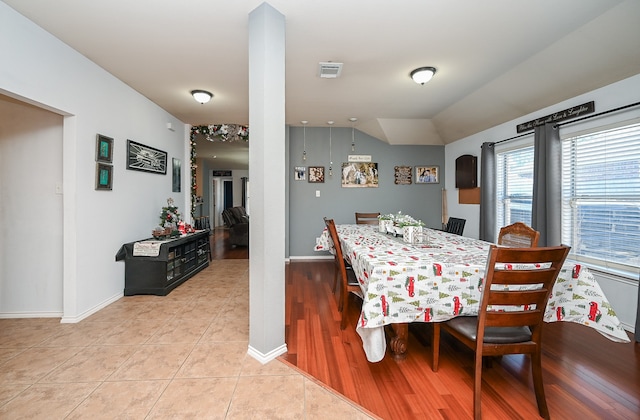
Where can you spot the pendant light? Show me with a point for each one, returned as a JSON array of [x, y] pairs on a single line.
[[304, 139], [353, 134], [330, 160]]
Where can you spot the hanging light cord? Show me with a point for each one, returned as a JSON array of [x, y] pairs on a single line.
[[353, 134], [304, 137], [330, 160]]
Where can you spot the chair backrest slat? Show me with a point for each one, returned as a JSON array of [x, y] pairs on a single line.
[[367, 218], [456, 225], [510, 267], [518, 235]]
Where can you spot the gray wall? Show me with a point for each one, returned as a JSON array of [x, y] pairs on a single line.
[[422, 201]]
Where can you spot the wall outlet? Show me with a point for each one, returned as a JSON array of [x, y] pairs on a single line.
[[317, 193]]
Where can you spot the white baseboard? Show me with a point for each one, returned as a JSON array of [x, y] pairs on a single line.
[[312, 257], [90, 311], [11, 315], [266, 358]]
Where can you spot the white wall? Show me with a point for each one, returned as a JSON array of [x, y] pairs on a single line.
[[39, 69], [621, 293]]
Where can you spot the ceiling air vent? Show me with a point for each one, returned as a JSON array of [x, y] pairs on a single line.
[[330, 70]]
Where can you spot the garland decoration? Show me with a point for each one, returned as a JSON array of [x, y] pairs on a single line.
[[219, 132]]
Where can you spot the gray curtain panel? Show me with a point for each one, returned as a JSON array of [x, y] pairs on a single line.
[[637, 332], [547, 188], [488, 192]]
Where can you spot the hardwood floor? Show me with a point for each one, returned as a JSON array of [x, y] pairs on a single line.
[[221, 249], [586, 376]]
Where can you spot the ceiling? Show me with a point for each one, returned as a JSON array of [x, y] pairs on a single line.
[[496, 60]]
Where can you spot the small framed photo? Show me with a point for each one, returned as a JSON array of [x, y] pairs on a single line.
[[300, 173], [316, 173], [104, 149], [104, 176], [427, 174]]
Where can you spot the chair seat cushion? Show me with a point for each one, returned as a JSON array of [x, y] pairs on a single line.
[[467, 326]]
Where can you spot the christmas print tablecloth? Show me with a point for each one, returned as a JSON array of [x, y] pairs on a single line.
[[442, 278]]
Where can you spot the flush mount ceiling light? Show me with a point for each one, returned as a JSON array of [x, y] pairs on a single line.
[[202, 96], [423, 74]]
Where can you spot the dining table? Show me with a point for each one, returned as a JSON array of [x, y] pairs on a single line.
[[441, 278]]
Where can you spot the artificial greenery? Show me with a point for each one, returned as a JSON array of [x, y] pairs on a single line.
[[169, 214], [221, 132]]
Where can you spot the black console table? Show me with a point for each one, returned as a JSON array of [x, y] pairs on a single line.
[[177, 260]]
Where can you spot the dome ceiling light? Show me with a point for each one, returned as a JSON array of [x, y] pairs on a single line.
[[423, 74], [202, 96]]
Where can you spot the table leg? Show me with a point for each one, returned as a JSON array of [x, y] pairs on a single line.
[[398, 341]]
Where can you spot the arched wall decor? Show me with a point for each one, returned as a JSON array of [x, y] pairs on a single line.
[[217, 132]]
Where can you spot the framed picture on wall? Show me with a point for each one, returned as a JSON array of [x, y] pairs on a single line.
[[427, 174], [176, 174], [359, 175], [104, 149], [300, 173], [402, 175], [316, 173], [104, 176], [145, 158]]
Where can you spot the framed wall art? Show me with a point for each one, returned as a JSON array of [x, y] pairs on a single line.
[[176, 178], [359, 175], [316, 173], [104, 176], [300, 173], [403, 175], [427, 174], [104, 149], [145, 158]]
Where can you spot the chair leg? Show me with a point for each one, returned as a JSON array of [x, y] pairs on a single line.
[[536, 370], [477, 389], [435, 346], [344, 299]]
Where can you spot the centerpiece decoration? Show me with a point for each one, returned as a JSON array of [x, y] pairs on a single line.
[[402, 224]]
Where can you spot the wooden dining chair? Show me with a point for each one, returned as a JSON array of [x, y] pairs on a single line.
[[367, 218], [455, 225], [348, 281], [518, 235], [498, 331]]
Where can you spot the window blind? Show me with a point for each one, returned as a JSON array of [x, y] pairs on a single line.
[[601, 197]]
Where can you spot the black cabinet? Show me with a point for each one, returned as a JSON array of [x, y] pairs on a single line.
[[176, 261], [466, 172]]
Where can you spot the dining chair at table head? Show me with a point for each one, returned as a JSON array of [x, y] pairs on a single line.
[[455, 225], [498, 331], [367, 218], [518, 235], [348, 281]]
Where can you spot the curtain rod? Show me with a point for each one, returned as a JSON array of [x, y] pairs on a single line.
[[596, 115], [573, 121], [513, 138]]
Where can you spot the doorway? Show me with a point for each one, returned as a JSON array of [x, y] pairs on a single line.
[[221, 197]]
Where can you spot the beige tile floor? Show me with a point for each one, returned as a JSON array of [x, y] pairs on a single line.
[[148, 357]]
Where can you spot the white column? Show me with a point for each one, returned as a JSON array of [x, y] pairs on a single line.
[[267, 176]]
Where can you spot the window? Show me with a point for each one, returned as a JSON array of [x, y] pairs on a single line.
[[601, 197], [515, 186]]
